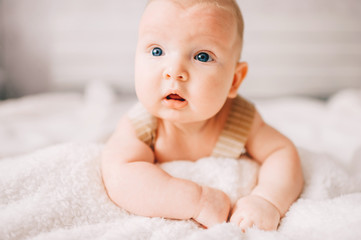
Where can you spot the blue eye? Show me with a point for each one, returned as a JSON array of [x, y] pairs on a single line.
[[203, 57], [157, 52]]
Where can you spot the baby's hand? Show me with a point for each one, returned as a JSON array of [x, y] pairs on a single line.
[[255, 211], [214, 207]]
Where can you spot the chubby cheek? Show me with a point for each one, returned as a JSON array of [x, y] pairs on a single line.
[[144, 80], [211, 94]]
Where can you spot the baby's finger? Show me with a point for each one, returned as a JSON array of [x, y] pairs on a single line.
[[244, 224], [236, 218], [233, 209]]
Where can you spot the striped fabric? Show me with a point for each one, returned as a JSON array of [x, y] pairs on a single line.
[[144, 123], [233, 138], [230, 143]]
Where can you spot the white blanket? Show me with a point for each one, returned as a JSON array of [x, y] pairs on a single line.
[[57, 192]]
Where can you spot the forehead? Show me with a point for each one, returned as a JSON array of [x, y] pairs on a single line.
[[196, 19]]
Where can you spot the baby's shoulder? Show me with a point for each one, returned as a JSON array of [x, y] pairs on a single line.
[[144, 124], [125, 146]]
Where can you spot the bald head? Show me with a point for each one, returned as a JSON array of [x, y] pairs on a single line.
[[229, 5]]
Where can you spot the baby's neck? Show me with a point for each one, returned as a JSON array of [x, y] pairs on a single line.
[[189, 141], [186, 129]]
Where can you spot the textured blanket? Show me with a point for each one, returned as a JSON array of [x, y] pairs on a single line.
[[56, 191]]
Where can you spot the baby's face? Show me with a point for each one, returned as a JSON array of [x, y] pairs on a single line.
[[185, 60]]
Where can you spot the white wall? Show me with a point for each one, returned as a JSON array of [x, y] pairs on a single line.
[[94, 39], [298, 47], [293, 47], [26, 43]]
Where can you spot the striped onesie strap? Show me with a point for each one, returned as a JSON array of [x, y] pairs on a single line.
[[144, 123], [232, 140]]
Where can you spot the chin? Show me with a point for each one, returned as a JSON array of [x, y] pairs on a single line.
[[184, 118], [172, 115]]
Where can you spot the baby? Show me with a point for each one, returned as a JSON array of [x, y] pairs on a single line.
[[187, 75]]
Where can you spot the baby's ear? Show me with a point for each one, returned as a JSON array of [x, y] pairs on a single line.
[[239, 74]]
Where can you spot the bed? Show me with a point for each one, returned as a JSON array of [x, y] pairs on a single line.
[[51, 186], [50, 181]]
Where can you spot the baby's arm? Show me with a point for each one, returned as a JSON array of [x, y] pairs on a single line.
[[136, 184], [280, 179]]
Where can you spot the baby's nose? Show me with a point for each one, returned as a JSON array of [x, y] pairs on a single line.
[[176, 72], [181, 77]]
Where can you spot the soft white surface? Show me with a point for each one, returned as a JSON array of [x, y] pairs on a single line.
[[57, 193], [32, 122]]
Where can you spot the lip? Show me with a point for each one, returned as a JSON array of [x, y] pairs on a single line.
[[173, 103]]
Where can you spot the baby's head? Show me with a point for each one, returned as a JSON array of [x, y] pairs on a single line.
[[187, 58], [230, 6]]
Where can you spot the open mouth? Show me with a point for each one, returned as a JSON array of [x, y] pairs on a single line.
[[175, 97], [175, 101]]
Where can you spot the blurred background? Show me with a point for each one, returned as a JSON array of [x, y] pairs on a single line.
[[308, 47]]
